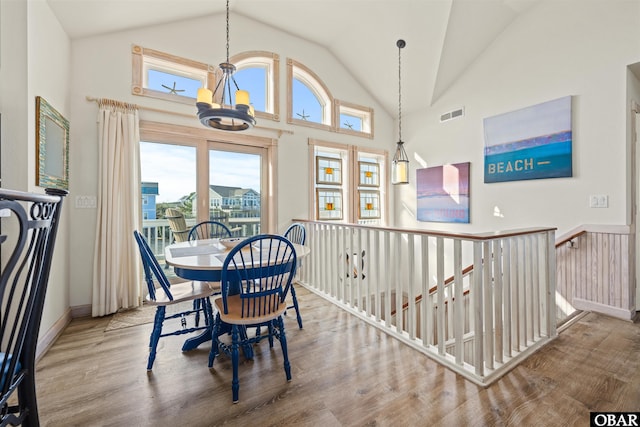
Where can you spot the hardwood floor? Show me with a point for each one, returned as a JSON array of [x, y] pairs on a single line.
[[345, 373]]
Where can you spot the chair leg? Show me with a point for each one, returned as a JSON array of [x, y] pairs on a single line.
[[270, 328], [295, 304], [155, 335], [27, 398], [246, 347], [214, 340], [283, 344], [208, 311], [235, 356], [197, 305]]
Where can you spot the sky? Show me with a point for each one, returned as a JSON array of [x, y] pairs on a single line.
[[173, 167], [537, 120]]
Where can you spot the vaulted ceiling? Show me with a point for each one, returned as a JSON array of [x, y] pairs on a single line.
[[443, 37]]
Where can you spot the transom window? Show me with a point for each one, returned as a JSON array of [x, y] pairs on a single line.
[[309, 102], [354, 119], [161, 75]]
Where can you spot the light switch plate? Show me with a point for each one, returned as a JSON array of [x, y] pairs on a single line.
[[86, 202], [598, 201]]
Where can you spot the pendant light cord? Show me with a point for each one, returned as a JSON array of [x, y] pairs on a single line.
[[227, 31], [400, 43]]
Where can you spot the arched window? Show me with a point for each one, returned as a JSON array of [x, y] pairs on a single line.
[[309, 102], [258, 73]]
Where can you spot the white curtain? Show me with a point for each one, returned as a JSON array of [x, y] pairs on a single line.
[[116, 272]]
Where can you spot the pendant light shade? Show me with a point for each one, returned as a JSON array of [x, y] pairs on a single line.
[[400, 163], [231, 114]]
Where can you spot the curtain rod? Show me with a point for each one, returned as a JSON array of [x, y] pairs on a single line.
[[141, 107], [159, 110]]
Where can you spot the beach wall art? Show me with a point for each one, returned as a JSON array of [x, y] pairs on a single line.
[[530, 143], [443, 193]]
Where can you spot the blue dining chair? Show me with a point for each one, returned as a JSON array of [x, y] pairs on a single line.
[[296, 233], [167, 294], [256, 276], [209, 230]]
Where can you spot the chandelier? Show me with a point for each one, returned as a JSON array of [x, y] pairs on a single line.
[[400, 163], [226, 115]]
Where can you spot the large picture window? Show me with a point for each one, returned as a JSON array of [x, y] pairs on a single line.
[[207, 178]]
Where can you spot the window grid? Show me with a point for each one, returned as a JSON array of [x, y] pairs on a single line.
[[363, 190]]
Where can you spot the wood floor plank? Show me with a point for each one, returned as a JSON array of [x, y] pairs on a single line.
[[344, 373]]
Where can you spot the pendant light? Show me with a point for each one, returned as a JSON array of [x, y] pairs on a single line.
[[400, 164], [227, 115]]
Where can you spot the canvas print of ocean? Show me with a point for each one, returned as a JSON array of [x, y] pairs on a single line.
[[531, 143], [443, 193]]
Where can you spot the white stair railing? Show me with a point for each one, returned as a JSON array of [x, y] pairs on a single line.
[[480, 324]]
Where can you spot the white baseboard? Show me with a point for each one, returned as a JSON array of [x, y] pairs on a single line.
[[620, 313], [47, 340], [81, 311]]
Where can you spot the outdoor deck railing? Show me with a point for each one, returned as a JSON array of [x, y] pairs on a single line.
[[478, 321], [159, 235]]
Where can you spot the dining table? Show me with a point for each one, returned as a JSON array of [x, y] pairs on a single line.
[[202, 260]]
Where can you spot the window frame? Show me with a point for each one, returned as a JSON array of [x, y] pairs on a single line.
[[272, 62], [203, 139], [297, 70], [350, 186], [142, 58], [364, 113]]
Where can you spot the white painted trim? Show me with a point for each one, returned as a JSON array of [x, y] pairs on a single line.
[[620, 313], [83, 310], [46, 341]]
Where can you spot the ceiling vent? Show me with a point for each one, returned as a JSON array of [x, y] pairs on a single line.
[[450, 115]]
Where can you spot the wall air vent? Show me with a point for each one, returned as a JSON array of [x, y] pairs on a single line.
[[450, 115]]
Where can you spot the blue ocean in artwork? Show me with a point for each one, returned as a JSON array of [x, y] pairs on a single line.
[[443, 208], [546, 156]]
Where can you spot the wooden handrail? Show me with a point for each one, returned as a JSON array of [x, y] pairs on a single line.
[[489, 235], [571, 237], [432, 290]]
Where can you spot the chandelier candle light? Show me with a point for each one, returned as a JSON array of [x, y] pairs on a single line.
[[400, 164], [226, 115]]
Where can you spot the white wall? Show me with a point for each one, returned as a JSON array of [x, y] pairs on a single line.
[[556, 49], [49, 52], [35, 62], [13, 95], [101, 67]]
